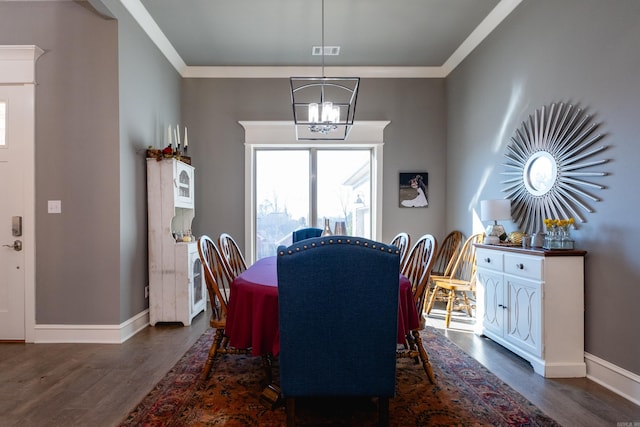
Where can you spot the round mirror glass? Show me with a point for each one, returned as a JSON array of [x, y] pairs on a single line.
[[540, 173]]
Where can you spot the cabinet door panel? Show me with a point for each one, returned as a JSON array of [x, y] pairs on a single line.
[[183, 185], [523, 299], [491, 297]]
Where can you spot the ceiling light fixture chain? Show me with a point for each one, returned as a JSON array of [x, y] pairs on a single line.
[[323, 107]]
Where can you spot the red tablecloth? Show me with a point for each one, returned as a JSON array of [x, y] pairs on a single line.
[[252, 317]]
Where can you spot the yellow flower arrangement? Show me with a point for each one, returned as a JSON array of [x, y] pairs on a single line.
[[562, 223]]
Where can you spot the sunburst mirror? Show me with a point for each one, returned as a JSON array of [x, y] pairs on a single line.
[[550, 159]]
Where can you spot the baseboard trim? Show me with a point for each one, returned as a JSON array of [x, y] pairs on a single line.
[[614, 378], [94, 334]]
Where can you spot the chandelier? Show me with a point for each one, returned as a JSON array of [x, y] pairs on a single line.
[[323, 107]]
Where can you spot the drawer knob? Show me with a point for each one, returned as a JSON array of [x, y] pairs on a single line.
[[487, 260], [502, 306], [520, 266]]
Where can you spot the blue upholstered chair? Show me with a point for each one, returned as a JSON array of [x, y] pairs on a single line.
[[305, 233], [338, 315]]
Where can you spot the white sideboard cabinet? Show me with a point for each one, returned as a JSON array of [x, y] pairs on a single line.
[[177, 291], [532, 302]]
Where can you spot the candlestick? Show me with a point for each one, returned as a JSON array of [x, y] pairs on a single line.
[[175, 135], [186, 142]]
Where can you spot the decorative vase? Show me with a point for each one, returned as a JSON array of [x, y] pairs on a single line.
[[327, 228], [565, 238], [341, 228]]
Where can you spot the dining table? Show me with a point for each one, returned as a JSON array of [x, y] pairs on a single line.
[[252, 312]]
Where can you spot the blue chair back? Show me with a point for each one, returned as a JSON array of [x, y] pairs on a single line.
[[338, 315], [305, 233]]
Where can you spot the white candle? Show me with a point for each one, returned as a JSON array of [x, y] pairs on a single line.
[[186, 142], [178, 134], [175, 136], [169, 135]]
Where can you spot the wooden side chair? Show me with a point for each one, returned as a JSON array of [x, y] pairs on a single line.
[[461, 280], [218, 280], [402, 241], [231, 255], [445, 258], [418, 269], [447, 254]]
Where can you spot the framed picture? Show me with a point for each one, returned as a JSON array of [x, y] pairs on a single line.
[[413, 189]]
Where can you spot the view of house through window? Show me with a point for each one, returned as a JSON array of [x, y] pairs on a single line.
[[298, 188]]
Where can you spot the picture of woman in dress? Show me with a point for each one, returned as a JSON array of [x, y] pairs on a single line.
[[413, 190]]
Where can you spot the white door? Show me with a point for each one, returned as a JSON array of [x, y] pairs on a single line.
[[14, 136]]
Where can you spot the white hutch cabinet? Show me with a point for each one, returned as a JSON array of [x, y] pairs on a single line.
[[532, 302], [177, 291]]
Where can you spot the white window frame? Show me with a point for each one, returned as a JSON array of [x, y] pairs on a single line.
[[281, 134]]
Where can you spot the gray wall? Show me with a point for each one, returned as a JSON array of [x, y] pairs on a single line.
[[77, 159], [414, 140], [103, 95], [149, 90], [583, 52]]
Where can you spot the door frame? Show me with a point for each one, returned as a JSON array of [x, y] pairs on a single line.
[[18, 68]]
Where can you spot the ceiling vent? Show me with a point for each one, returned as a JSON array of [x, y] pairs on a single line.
[[328, 50]]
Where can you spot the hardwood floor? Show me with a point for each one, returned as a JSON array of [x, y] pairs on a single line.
[[569, 401], [98, 384]]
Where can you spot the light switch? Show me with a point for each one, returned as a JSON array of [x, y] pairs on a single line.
[[55, 206]]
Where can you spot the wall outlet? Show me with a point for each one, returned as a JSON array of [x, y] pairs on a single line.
[[146, 292]]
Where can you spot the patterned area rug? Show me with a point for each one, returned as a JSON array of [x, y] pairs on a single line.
[[466, 394]]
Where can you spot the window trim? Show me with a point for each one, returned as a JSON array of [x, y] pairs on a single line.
[[281, 134]]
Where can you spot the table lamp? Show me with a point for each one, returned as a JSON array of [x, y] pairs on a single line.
[[495, 210]]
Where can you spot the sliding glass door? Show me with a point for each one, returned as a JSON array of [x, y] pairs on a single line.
[[298, 188]]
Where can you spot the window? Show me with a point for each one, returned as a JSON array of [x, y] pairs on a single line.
[[291, 184], [301, 188]]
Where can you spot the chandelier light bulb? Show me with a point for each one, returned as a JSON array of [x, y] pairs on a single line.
[[327, 110], [313, 112]]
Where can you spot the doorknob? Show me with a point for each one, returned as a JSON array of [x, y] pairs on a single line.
[[17, 245]]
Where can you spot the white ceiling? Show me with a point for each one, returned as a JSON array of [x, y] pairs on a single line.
[[274, 38]]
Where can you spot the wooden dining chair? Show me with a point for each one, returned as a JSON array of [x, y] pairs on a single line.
[[417, 269], [460, 281], [231, 255], [218, 280], [445, 258], [447, 253], [402, 241]]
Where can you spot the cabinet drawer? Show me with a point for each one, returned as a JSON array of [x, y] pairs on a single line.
[[489, 260], [523, 266]]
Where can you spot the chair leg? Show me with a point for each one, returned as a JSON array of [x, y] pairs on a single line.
[[426, 364], [267, 363], [431, 300], [217, 340], [291, 412], [467, 305], [383, 411], [450, 299]]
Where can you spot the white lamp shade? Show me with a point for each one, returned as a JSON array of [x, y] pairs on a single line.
[[495, 210]]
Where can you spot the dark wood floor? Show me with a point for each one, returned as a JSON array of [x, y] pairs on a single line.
[[98, 384]]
